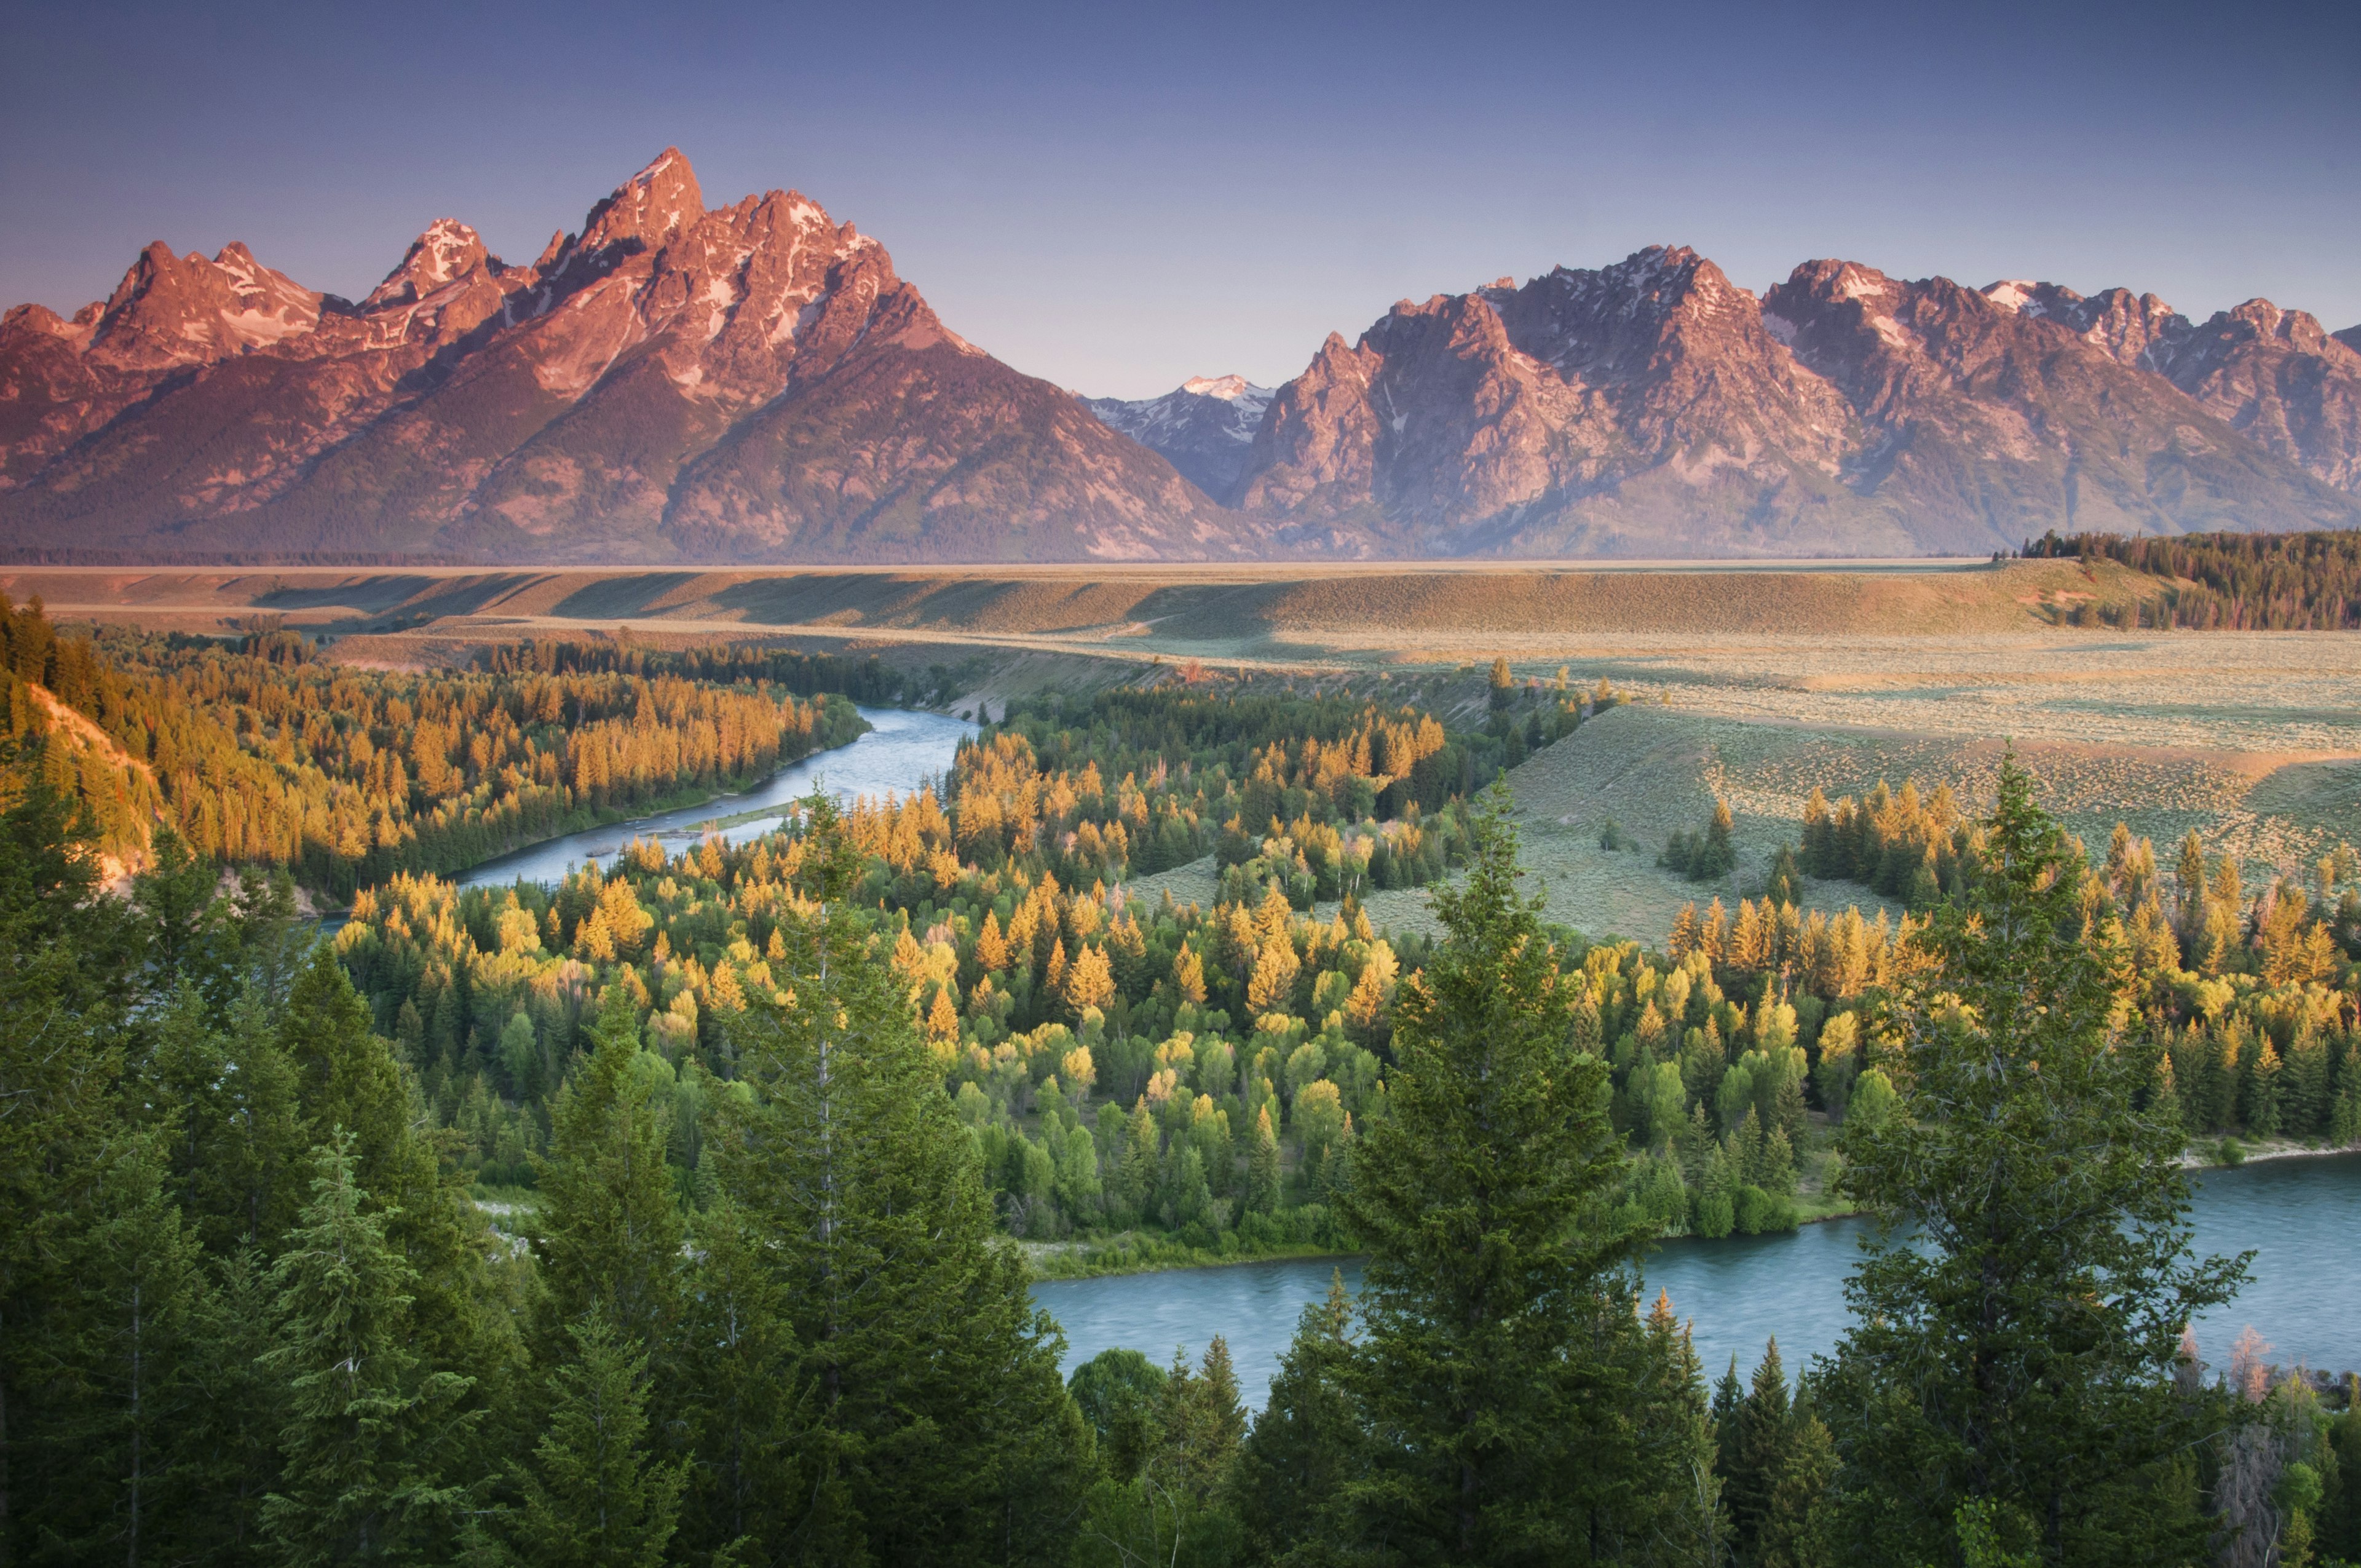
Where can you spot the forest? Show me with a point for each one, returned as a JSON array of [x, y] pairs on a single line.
[[685, 1212], [1149, 1079], [250, 1313], [2230, 582], [262, 753]]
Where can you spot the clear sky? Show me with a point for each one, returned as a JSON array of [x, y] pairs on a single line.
[[1118, 196]]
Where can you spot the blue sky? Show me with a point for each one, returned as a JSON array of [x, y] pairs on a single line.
[[1118, 197]]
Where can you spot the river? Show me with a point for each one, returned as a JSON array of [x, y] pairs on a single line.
[[902, 750], [2300, 1216]]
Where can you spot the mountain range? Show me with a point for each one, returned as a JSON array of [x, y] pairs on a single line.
[[754, 383]]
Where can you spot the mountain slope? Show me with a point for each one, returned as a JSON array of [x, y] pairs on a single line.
[[1654, 408], [747, 382]]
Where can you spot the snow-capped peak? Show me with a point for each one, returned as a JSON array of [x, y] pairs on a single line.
[[1229, 389]]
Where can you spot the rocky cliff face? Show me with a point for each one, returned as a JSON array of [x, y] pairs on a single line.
[[1653, 407], [1204, 427], [750, 382]]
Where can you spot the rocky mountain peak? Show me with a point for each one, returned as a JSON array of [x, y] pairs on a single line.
[[644, 212], [1203, 427], [186, 309], [446, 253], [1229, 389]]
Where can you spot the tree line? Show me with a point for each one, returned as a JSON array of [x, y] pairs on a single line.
[[2231, 582]]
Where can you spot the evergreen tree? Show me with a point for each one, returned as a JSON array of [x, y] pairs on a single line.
[[742, 1396], [1691, 1526], [1262, 1164], [142, 1287], [1307, 1445], [66, 970], [1173, 1511], [1753, 1455], [1502, 1359], [236, 1142], [609, 1242], [347, 1084], [939, 1428], [1119, 1392], [233, 1418], [1807, 1463], [370, 1432], [2016, 1329], [596, 1496]]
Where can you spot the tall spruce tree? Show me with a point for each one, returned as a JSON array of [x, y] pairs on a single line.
[[1502, 1364], [371, 1433], [2016, 1327], [610, 1221], [939, 1428], [1751, 1458], [597, 1495], [67, 957], [347, 1083], [1307, 1447]]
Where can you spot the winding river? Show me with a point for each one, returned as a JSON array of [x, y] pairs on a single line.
[[901, 751], [2301, 1216]]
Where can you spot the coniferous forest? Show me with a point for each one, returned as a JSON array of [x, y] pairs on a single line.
[[678, 1213]]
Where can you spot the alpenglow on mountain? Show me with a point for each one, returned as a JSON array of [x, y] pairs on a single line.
[[754, 383], [747, 382], [1654, 408]]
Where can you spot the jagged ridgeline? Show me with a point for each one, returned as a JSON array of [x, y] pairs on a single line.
[[256, 753]]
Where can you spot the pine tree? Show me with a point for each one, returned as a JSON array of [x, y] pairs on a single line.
[[1503, 1351], [1752, 1452], [611, 1220], [142, 1294], [1307, 1445], [940, 1427], [1262, 1164], [1807, 1463], [1692, 1523], [596, 1496], [349, 1085], [369, 1429], [744, 1399], [66, 972], [2018, 1347]]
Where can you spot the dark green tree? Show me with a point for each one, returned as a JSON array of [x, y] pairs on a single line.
[[371, 1433], [1307, 1447], [1119, 1392], [123, 1453], [2017, 1328], [347, 1083], [595, 1495], [1502, 1364], [610, 1225], [1753, 1455], [939, 1428], [1173, 1511], [67, 957], [742, 1397]]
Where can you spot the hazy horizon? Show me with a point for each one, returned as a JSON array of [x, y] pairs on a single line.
[[1118, 201]]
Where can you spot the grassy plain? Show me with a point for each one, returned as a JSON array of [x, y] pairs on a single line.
[[1757, 684]]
